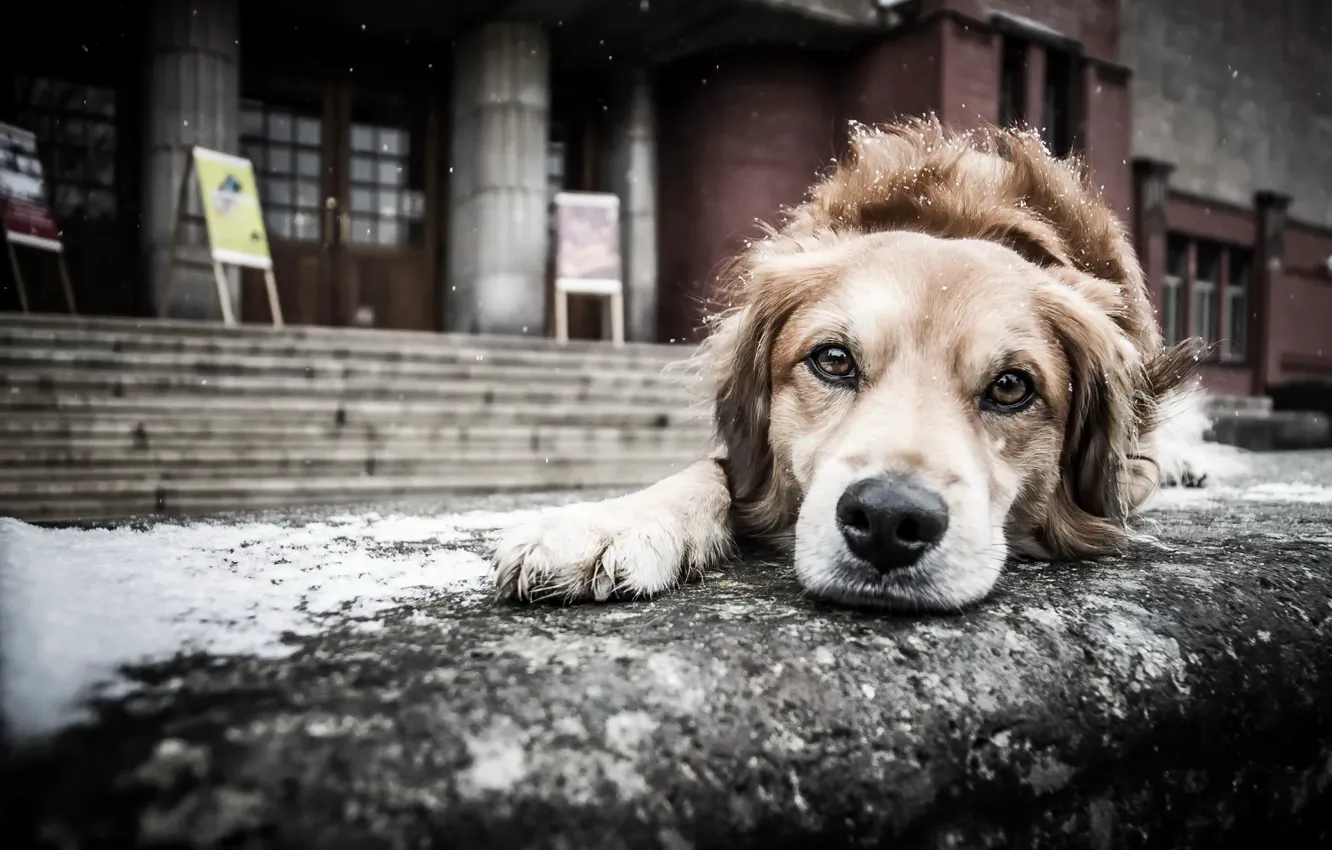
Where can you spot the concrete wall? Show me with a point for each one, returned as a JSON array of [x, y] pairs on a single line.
[[1237, 94]]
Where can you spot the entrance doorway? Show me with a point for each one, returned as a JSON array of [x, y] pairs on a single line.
[[343, 175]]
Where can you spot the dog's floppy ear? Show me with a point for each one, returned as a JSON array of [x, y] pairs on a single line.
[[1089, 513], [742, 388], [739, 354], [766, 288]]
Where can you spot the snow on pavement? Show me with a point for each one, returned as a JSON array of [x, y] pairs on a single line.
[[77, 604]]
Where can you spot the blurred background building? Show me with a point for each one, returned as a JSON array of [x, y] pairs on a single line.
[[409, 151]]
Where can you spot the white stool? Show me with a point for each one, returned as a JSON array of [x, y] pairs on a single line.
[[613, 290]]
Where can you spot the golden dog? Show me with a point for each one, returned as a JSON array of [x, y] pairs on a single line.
[[947, 355]]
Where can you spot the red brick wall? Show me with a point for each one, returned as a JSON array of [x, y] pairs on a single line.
[[1302, 300], [970, 70], [1108, 136], [739, 138], [899, 77], [1094, 23]]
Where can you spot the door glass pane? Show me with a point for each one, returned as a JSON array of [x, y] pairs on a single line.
[[363, 169], [278, 223], [380, 174], [392, 172], [308, 131], [363, 230], [307, 194], [279, 127], [305, 225], [280, 193], [362, 200], [307, 163], [363, 138], [284, 143]]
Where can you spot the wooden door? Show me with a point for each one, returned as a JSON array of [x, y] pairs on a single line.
[[288, 135], [385, 162]]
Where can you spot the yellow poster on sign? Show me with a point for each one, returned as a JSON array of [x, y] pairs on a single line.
[[231, 207]]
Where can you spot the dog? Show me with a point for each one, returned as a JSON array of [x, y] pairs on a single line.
[[945, 357]]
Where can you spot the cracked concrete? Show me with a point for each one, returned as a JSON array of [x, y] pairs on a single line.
[[1176, 696]]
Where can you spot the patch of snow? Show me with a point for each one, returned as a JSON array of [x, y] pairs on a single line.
[[78, 604], [1212, 495]]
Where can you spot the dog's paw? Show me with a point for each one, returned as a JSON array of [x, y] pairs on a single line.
[[1184, 475], [591, 552]]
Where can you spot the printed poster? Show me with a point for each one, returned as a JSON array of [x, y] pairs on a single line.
[[587, 240], [24, 206], [230, 200]]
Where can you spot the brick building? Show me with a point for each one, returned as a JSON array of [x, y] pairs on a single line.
[[409, 151]]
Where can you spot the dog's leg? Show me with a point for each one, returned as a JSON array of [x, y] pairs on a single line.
[[637, 545], [1181, 450]]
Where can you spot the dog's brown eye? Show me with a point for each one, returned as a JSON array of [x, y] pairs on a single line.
[[832, 362], [1011, 392]]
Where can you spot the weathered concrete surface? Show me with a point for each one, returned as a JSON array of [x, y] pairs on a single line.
[[1177, 697]]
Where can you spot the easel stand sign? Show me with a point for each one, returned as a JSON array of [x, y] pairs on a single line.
[[235, 224], [27, 218], [587, 256]]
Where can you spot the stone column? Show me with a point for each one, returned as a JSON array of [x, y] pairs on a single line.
[[193, 98], [1151, 189], [498, 207], [1270, 209], [633, 176]]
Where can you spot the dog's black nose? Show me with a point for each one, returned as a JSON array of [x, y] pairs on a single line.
[[891, 520]]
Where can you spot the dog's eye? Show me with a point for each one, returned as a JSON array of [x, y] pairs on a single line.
[[1010, 392], [832, 363]]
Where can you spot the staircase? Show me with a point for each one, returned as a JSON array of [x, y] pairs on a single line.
[[112, 418], [1251, 422]]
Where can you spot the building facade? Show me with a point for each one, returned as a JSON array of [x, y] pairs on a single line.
[[409, 151]]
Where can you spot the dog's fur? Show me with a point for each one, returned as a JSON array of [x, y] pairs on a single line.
[[937, 261]]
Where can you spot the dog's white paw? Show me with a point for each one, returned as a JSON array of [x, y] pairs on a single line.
[[1183, 474], [593, 552]]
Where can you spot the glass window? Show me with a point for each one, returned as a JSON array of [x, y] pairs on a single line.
[[1206, 277], [1237, 300], [286, 149], [1172, 296], [379, 172], [75, 125]]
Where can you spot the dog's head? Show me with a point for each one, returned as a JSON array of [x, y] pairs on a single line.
[[946, 354]]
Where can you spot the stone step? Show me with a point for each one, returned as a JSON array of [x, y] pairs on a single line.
[[334, 411], [212, 464], [55, 381], [298, 351], [1273, 430], [89, 454], [52, 442], [1222, 405], [82, 501], [484, 367], [53, 331]]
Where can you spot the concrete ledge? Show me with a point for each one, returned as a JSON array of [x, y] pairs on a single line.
[[1175, 697], [1280, 430]]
